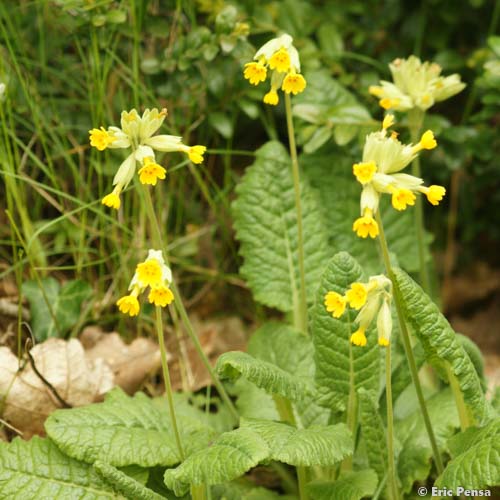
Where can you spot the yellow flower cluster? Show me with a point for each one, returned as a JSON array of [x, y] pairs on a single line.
[[383, 158], [416, 85], [370, 299], [281, 57], [153, 273], [137, 133]]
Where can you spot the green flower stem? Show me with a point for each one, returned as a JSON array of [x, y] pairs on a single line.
[[179, 304], [352, 408], [391, 472], [415, 120], [300, 312], [168, 385], [407, 346], [285, 410], [463, 414]]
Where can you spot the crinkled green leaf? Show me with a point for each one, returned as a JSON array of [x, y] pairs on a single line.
[[318, 445], [373, 432], [124, 430], [254, 402], [475, 356], [274, 380], [349, 486], [266, 226], [415, 457], [37, 469], [229, 456], [123, 483], [293, 352], [441, 344], [331, 338], [65, 305], [476, 459]]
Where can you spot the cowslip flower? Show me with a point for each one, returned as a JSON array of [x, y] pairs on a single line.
[[281, 58], [416, 85], [137, 133], [379, 172], [152, 273], [370, 299]]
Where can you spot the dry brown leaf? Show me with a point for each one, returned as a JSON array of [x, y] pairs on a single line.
[[131, 364], [28, 400]]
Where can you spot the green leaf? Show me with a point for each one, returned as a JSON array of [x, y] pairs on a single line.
[[320, 445], [274, 380], [331, 337], [265, 223], [35, 469], [441, 344], [124, 484], [124, 430], [229, 456], [222, 123], [476, 463], [373, 432], [65, 305], [414, 462], [349, 486]]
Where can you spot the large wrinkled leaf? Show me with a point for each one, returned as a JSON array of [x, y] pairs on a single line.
[[229, 456], [415, 458], [349, 486], [123, 431], [441, 344], [319, 445], [330, 172], [476, 459], [65, 305], [37, 469], [331, 337], [274, 380], [266, 225]]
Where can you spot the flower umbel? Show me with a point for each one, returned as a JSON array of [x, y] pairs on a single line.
[[281, 58]]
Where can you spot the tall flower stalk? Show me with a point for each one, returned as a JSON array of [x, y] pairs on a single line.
[[280, 58]]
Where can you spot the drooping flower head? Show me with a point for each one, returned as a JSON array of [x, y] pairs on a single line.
[[152, 273], [137, 134], [384, 157], [416, 85], [279, 57], [370, 299]]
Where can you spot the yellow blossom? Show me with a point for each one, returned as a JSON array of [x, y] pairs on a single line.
[[375, 90], [271, 98], [335, 304], [149, 272], [366, 225], [100, 138], [255, 72], [434, 193], [129, 304], [280, 61], [195, 153], [401, 198], [112, 200], [388, 121], [293, 83], [382, 341], [364, 171], [358, 337], [388, 103], [151, 172], [160, 296], [356, 295]]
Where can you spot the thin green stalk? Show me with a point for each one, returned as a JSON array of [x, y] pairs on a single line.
[[300, 315], [168, 385], [160, 242], [392, 486], [463, 414], [351, 408], [407, 346], [415, 120]]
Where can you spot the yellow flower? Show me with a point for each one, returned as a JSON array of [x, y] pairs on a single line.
[[356, 295], [160, 296], [388, 103], [376, 90], [366, 225], [151, 172], [364, 171], [388, 122], [427, 141], [129, 304], [335, 303], [434, 193], [358, 337], [195, 153], [382, 341], [280, 61], [112, 200], [271, 98], [100, 138], [401, 198], [293, 83], [255, 72], [149, 272]]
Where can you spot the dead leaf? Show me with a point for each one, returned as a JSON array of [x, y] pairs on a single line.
[[26, 399], [131, 364]]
